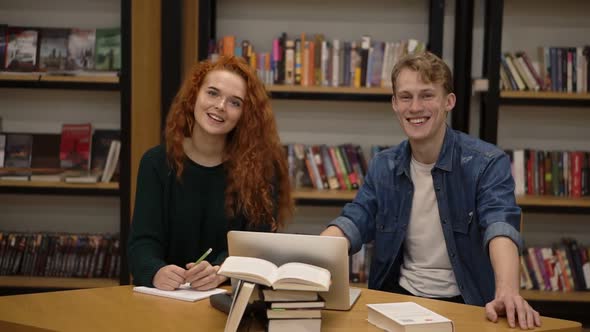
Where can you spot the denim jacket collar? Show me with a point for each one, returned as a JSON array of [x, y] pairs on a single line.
[[445, 158]]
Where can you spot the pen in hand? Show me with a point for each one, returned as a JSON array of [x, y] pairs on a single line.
[[204, 256]]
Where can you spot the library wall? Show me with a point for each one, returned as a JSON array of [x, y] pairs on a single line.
[[45, 110], [527, 25], [59, 214], [57, 13]]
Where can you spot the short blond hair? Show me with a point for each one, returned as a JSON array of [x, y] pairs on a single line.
[[431, 68]]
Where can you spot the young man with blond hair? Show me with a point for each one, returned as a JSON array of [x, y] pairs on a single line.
[[439, 206]]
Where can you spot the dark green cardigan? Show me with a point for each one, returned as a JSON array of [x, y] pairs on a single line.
[[175, 222]]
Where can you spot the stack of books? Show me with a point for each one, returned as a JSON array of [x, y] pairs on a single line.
[[289, 291], [293, 310]]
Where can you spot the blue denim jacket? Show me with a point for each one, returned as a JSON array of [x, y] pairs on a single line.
[[475, 194]]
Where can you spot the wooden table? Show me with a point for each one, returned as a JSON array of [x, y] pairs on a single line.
[[120, 309]]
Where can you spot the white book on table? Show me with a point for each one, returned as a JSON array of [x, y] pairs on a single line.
[[407, 316], [184, 293]]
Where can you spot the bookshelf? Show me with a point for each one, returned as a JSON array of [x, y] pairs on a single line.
[[307, 114], [317, 114], [541, 120], [39, 103]]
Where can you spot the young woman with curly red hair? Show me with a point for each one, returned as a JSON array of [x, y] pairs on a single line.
[[222, 168]]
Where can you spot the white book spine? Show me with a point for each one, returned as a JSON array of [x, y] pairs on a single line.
[[519, 172], [325, 61], [514, 72], [289, 63], [336, 62]]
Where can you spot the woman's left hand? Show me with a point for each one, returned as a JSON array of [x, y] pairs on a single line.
[[203, 276]]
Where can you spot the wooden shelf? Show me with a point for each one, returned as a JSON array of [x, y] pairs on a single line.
[[314, 194], [18, 77], [537, 295], [545, 98], [529, 200], [81, 79], [50, 282], [297, 92], [41, 184], [329, 89], [59, 188], [75, 82], [544, 95], [552, 201]]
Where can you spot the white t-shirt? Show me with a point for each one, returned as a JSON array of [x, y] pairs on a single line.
[[426, 270]]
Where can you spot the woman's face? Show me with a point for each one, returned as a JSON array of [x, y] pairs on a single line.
[[220, 102]]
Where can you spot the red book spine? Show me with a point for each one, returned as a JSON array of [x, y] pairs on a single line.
[[577, 174], [529, 173], [339, 173]]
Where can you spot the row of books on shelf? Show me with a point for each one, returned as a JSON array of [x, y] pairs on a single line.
[[287, 295], [563, 267], [314, 60], [560, 69], [327, 167], [78, 154], [553, 173], [65, 51], [60, 255]]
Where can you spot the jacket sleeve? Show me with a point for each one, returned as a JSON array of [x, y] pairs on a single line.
[[357, 219], [497, 211], [148, 235]]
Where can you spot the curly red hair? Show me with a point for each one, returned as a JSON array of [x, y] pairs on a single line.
[[254, 159]]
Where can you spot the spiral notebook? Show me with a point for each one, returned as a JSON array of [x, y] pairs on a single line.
[[184, 293]]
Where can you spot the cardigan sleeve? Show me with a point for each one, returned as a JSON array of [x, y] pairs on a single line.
[[148, 238]]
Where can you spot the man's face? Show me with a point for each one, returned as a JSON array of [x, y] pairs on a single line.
[[421, 108]]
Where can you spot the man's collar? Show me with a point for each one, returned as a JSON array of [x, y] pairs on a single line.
[[445, 158], [403, 159]]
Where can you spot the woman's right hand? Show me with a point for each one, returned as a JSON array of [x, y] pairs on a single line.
[[169, 277]]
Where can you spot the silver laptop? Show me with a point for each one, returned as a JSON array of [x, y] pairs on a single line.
[[328, 252]]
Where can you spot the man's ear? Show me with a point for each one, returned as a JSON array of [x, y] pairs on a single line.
[[450, 102], [393, 105]]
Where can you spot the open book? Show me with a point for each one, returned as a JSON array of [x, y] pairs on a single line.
[[294, 276], [407, 316]]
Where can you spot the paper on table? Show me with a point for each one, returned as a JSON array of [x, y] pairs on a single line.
[[184, 293]]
